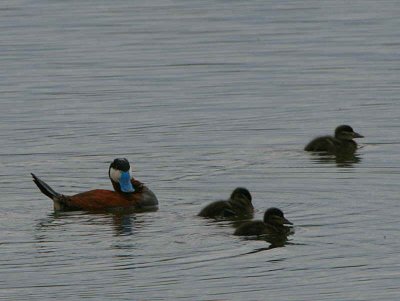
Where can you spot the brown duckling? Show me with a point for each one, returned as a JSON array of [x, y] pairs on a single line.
[[341, 143], [273, 224], [238, 205]]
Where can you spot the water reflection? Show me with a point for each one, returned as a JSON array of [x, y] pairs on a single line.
[[122, 223], [274, 241], [341, 160], [55, 219]]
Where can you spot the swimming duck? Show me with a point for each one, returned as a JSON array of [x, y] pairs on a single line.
[[273, 224], [341, 143], [128, 194], [238, 205]]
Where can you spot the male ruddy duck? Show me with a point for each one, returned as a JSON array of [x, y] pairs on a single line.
[[237, 206], [129, 193], [273, 224], [341, 143]]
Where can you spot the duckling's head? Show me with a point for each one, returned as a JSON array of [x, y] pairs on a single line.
[[274, 216], [120, 174], [241, 192], [346, 132], [241, 196]]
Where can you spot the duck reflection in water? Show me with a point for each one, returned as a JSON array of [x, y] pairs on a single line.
[[122, 223], [348, 160], [272, 228], [126, 224], [273, 241]]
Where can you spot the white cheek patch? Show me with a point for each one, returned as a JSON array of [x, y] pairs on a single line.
[[115, 174]]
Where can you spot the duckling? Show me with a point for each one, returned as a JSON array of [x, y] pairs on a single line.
[[341, 143], [238, 205], [273, 224]]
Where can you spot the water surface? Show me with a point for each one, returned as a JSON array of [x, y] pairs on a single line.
[[201, 97]]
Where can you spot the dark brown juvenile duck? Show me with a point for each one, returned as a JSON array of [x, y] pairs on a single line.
[[341, 143], [129, 193], [237, 206], [273, 224]]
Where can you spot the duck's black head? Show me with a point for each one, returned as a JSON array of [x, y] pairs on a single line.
[[120, 176], [346, 132], [274, 216]]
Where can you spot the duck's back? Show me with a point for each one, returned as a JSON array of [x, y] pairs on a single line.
[[321, 144], [251, 228], [100, 199], [217, 209], [332, 145]]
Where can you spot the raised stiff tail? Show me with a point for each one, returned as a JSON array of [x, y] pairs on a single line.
[[46, 189]]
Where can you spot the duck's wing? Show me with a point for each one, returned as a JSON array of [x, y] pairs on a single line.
[[322, 144], [250, 228], [217, 209]]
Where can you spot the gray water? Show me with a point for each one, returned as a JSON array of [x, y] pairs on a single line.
[[201, 97]]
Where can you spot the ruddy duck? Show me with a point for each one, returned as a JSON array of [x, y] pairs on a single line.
[[129, 193], [341, 143], [273, 224], [238, 205]]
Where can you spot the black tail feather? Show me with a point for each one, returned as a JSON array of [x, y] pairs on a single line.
[[46, 189]]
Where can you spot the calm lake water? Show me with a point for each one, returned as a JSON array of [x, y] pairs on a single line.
[[202, 97]]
